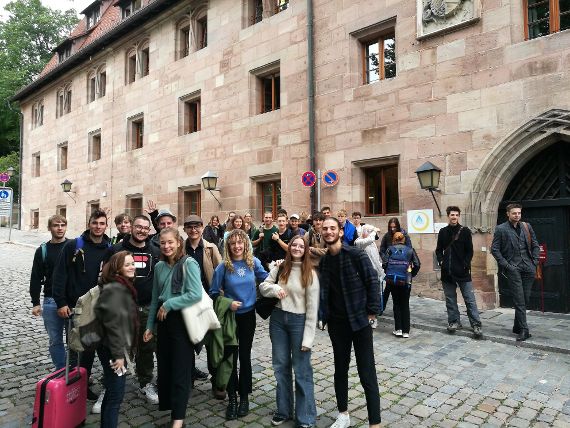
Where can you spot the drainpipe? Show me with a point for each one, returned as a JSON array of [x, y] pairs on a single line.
[[21, 117], [311, 94]]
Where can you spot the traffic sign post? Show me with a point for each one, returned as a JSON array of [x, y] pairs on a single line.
[[308, 179], [330, 177], [6, 205]]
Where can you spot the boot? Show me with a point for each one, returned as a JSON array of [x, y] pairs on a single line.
[[243, 408], [231, 411]]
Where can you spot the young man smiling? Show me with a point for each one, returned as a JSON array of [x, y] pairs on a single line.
[[349, 304], [146, 256]]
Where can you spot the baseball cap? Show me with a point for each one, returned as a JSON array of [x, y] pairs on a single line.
[[193, 219], [164, 213], [295, 216]]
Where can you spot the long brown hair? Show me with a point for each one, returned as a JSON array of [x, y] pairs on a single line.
[[306, 265], [174, 231], [112, 268]]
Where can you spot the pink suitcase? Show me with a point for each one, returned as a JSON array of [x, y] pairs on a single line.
[[61, 399]]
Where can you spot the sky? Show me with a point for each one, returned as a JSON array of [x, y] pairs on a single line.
[[78, 5]]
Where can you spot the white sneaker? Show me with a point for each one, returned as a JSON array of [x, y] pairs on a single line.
[[96, 409], [373, 323], [149, 391], [397, 333], [405, 335], [342, 421]]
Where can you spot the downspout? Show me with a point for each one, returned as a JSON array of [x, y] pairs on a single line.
[[311, 94], [21, 117]]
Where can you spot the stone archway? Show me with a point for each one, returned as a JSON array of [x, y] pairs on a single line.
[[503, 162]]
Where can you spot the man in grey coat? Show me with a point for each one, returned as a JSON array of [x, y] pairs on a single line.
[[516, 250]]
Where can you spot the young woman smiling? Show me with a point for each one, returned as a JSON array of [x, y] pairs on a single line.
[[236, 277], [116, 309], [177, 285], [292, 331]]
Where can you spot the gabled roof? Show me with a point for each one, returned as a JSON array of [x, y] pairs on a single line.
[[89, 42]]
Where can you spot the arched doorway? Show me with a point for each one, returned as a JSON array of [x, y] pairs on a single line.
[[542, 186]]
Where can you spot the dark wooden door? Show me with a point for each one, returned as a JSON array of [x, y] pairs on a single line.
[[543, 188]]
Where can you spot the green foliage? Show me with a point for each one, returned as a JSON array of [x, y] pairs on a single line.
[[27, 38], [11, 160]]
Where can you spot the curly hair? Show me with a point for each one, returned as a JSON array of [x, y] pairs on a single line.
[[234, 236]]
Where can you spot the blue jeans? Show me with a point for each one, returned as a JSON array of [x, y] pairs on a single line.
[[54, 326], [286, 332], [114, 390], [450, 291]]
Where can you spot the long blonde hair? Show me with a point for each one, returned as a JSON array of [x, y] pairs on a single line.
[[237, 235]]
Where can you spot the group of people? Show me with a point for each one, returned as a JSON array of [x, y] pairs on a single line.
[[322, 271]]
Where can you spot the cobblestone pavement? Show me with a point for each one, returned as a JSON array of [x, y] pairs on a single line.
[[431, 379]]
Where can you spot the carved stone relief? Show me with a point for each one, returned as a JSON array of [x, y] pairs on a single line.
[[440, 16]]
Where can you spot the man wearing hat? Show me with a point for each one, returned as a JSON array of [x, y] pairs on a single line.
[[294, 225], [160, 220], [208, 258]]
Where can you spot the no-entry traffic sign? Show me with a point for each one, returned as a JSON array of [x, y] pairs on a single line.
[[308, 179], [330, 177]]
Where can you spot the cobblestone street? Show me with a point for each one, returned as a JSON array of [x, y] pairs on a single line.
[[431, 379]]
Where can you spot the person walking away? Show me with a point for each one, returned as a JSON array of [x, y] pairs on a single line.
[[387, 240], [176, 285], [116, 310], [76, 272], [45, 258], [349, 303], [292, 331], [236, 278], [516, 250], [454, 252], [402, 264], [367, 243], [146, 256]]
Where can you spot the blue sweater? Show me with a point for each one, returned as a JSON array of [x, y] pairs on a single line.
[[238, 285]]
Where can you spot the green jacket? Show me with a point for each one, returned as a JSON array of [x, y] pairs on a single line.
[[217, 340]]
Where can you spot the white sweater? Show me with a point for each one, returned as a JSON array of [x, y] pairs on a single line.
[[299, 300]]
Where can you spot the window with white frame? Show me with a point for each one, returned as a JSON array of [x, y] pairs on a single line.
[[63, 100], [38, 113], [137, 62], [96, 83]]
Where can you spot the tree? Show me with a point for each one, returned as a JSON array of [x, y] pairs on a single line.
[[26, 42], [12, 160]]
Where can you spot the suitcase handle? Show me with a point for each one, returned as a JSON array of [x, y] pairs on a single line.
[[67, 358]]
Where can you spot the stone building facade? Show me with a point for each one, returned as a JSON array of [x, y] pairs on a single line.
[[479, 97]]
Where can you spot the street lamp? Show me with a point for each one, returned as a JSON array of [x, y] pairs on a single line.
[[428, 176], [11, 170], [66, 187], [210, 182]]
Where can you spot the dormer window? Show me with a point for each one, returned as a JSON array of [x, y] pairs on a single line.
[[93, 15], [64, 52], [129, 7]]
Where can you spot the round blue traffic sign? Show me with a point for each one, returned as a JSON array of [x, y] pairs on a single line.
[[4, 194], [308, 179], [330, 177]]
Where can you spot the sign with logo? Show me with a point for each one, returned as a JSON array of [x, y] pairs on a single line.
[[308, 179], [420, 221], [330, 177], [6, 201]]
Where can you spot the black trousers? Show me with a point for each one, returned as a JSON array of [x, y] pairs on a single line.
[[175, 362], [245, 330], [401, 296], [342, 339]]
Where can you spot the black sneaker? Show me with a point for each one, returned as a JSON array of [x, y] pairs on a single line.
[[477, 332], [199, 375], [278, 420]]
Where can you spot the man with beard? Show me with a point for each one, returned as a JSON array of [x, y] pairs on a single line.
[[146, 256], [77, 271], [349, 304]]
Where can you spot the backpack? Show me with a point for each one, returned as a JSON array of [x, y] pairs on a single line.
[[43, 247], [398, 264], [87, 330]]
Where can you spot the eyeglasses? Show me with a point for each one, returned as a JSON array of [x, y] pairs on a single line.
[[193, 226], [142, 228]]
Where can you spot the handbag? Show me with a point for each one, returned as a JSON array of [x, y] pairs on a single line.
[[200, 318], [264, 306]]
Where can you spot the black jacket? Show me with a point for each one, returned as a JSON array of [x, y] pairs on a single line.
[[42, 271], [454, 257], [505, 244], [75, 274], [146, 259]]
